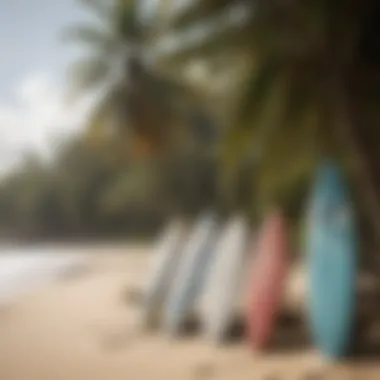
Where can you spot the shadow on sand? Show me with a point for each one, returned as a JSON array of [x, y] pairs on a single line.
[[366, 344], [290, 334]]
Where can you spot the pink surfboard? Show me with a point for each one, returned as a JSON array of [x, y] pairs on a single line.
[[268, 279]]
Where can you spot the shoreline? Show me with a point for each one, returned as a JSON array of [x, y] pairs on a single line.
[[83, 327], [67, 244]]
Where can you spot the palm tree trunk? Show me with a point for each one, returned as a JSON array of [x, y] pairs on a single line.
[[359, 158], [360, 163]]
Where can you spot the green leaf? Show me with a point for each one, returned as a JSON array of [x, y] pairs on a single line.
[[220, 31], [290, 154], [252, 124], [199, 10], [86, 75], [100, 8], [301, 95], [126, 20], [258, 88], [138, 185], [86, 34]]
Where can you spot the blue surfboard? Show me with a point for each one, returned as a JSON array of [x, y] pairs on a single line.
[[332, 249]]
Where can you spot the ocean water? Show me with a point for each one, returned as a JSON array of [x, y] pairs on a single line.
[[24, 269]]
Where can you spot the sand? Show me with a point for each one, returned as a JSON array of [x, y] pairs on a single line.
[[83, 327]]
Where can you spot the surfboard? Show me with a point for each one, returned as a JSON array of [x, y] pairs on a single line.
[[332, 249], [270, 267], [165, 260], [221, 296], [189, 279]]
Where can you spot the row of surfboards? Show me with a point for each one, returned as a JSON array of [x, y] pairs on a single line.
[[216, 270]]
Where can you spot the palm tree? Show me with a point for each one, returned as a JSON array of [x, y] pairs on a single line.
[[311, 88], [137, 103]]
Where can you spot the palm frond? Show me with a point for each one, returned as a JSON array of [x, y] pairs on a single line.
[[290, 156], [120, 20], [264, 76], [90, 35], [180, 104], [138, 185], [100, 8], [171, 93], [199, 10], [208, 35], [108, 119], [126, 20], [130, 120], [86, 75], [257, 120], [97, 129], [203, 38]]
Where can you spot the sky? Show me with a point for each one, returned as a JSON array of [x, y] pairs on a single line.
[[33, 65]]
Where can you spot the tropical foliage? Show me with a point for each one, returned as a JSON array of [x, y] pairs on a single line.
[[312, 88], [137, 104], [277, 85], [86, 193]]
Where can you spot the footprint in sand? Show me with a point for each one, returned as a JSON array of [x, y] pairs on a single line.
[[271, 377], [204, 371], [316, 375], [133, 296], [112, 338], [115, 341]]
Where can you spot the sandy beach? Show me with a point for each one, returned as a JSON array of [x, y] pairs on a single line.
[[82, 326]]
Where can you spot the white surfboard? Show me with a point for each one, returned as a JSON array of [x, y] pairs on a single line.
[[193, 269], [165, 262], [222, 293]]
